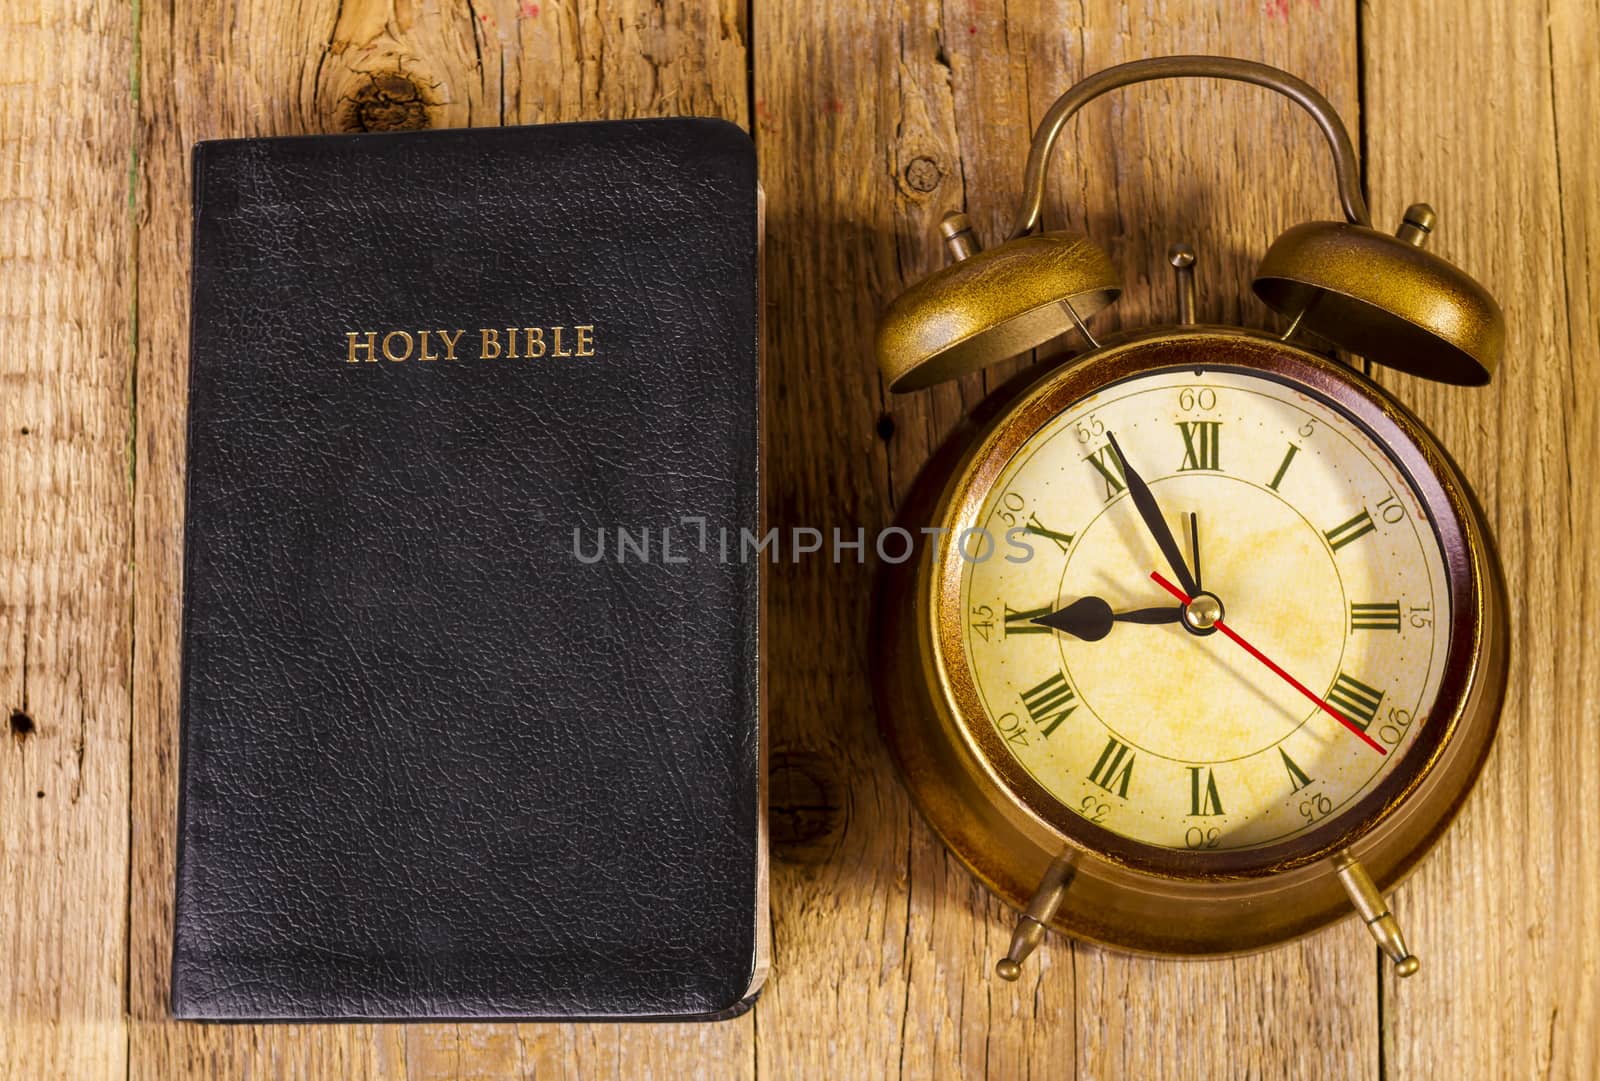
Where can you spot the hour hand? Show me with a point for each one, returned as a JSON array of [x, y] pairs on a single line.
[[1091, 618]]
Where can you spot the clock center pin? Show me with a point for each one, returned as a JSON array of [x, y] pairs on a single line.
[[1202, 614]]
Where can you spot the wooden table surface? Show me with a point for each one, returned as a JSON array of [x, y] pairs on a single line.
[[870, 120]]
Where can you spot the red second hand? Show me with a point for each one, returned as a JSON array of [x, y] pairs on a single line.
[[1264, 659]]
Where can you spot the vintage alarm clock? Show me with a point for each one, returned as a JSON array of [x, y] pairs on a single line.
[[1215, 642]]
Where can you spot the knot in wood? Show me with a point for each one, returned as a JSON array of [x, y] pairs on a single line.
[[806, 811], [388, 101], [923, 174]]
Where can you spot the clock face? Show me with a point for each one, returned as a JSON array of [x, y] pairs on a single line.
[[1136, 711]]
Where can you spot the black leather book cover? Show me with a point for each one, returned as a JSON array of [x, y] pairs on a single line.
[[437, 760]]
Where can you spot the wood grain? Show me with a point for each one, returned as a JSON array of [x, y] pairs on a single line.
[[1493, 127], [871, 120], [212, 69], [65, 366]]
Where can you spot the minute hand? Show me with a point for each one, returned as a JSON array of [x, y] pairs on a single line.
[[1145, 503]]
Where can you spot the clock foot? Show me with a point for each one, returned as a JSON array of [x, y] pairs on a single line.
[[1033, 923], [1375, 911]]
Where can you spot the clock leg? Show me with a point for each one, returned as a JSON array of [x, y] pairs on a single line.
[[1033, 923], [1375, 911]]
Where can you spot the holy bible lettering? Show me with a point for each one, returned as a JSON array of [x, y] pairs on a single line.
[[493, 343]]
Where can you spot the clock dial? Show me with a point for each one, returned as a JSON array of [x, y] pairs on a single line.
[[1303, 536]]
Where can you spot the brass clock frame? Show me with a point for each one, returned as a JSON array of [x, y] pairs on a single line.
[[1381, 295], [1014, 836]]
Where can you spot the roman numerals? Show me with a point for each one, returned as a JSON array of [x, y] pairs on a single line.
[[1345, 532], [1357, 701], [1202, 444], [1109, 466], [1022, 622], [1297, 776], [1203, 798], [1114, 768], [1050, 703], [1375, 617], [1283, 466], [1315, 537], [1062, 541]]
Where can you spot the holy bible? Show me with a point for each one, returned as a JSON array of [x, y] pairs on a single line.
[[471, 695]]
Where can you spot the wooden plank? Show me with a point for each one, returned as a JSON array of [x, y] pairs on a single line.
[[1493, 127], [870, 124], [1572, 1037], [825, 80], [213, 68], [66, 122], [883, 943]]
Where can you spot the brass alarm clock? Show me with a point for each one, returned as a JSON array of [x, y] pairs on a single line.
[[1214, 642]]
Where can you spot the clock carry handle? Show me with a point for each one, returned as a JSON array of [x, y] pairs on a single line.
[[1375, 294], [1345, 166], [1369, 292]]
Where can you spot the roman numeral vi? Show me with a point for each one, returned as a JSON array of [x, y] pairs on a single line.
[[1203, 798]]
